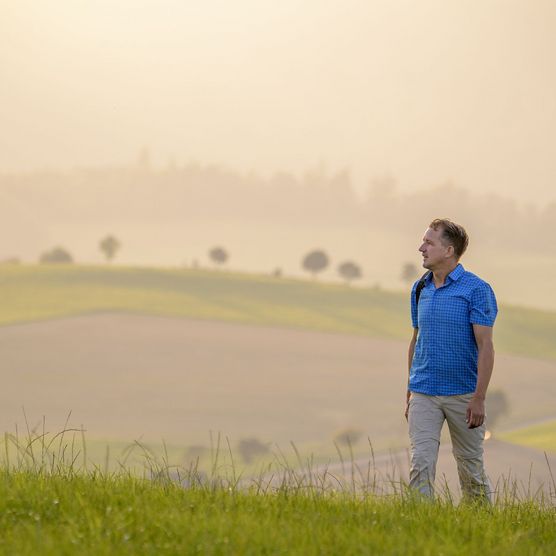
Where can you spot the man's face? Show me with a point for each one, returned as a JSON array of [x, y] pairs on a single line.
[[434, 251]]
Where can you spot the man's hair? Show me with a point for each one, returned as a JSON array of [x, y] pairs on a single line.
[[453, 234]]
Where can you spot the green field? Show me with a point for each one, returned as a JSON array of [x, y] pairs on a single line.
[[117, 514], [42, 292], [542, 437]]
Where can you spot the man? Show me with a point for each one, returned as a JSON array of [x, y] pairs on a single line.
[[451, 357]]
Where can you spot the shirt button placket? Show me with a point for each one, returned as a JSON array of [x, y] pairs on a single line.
[[434, 331]]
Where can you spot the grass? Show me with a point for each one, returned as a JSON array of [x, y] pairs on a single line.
[[49, 505], [39, 450], [37, 292], [112, 455], [122, 515], [542, 437]]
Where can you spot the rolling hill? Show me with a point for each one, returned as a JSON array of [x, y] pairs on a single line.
[[34, 292]]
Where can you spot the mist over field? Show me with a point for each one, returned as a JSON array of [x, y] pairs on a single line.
[[173, 216], [425, 92]]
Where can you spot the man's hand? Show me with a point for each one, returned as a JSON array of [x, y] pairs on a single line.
[[475, 415]]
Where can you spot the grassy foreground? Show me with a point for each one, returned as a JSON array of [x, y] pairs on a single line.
[[118, 514], [37, 292], [50, 504]]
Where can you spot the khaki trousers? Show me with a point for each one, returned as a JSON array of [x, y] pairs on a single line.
[[426, 417]]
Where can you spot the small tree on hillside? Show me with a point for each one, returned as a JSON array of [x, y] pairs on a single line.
[[109, 246], [409, 272], [218, 255], [349, 271], [348, 437], [56, 255], [497, 406], [315, 261], [251, 448]]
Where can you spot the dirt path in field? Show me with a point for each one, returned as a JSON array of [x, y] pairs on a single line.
[[127, 377]]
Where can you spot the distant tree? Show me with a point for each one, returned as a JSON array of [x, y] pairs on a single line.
[[315, 261], [109, 246], [348, 437], [409, 272], [349, 271], [56, 255], [497, 406], [250, 448], [277, 272], [218, 255]]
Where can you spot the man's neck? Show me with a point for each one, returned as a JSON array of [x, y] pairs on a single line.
[[439, 275]]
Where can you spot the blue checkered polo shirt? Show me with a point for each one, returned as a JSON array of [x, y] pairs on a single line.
[[445, 358]]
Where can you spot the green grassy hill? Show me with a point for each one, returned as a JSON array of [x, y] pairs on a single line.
[[33, 292]]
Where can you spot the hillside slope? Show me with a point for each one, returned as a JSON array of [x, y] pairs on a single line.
[[42, 292]]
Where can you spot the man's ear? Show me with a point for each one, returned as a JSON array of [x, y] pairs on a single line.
[[449, 251]]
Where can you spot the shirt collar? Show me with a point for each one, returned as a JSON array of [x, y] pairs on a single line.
[[456, 273], [453, 276]]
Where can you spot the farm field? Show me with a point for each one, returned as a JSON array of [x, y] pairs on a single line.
[[164, 359], [174, 378], [155, 379], [37, 292]]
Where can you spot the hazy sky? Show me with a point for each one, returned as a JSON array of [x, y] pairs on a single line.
[[423, 90]]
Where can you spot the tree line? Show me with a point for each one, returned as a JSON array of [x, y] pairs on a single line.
[[314, 262], [109, 245]]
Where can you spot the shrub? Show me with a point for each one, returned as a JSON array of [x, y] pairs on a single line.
[[56, 255]]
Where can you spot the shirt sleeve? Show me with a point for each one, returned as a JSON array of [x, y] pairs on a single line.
[[483, 306], [414, 306]]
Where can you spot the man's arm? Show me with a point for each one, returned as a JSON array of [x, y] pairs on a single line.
[[476, 407], [410, 353]]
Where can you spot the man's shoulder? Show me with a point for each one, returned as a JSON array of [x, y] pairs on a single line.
[[471, 277], [471, 281]]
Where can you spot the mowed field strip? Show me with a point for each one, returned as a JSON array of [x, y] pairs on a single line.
[[128, 376]]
